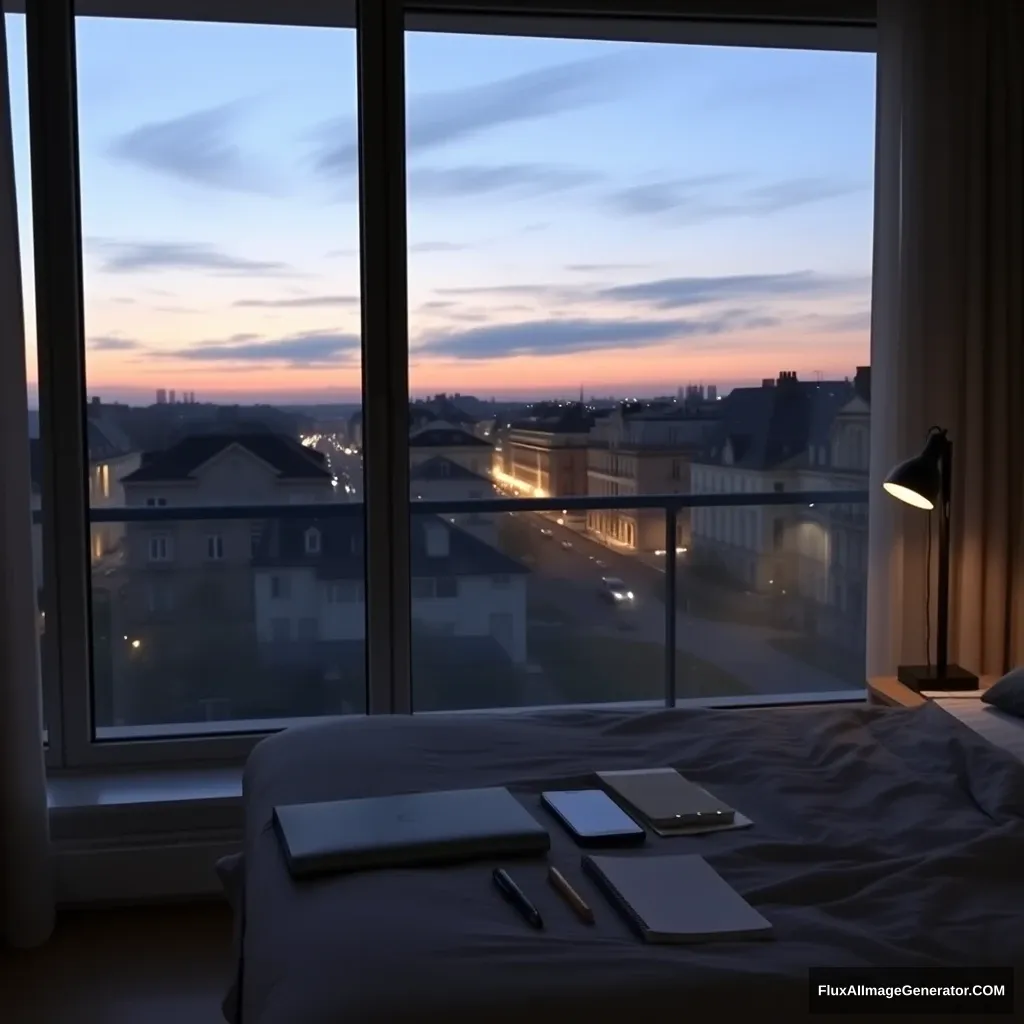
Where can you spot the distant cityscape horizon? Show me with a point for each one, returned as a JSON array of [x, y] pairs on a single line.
[[143, 398]]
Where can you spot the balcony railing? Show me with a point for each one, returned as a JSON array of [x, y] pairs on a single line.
[[685, 576]]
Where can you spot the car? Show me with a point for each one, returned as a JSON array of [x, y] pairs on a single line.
[[566, 545], [545, 532], [600, 564], [615, 592]]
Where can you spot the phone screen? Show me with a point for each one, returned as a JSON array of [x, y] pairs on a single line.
[[591, 813]]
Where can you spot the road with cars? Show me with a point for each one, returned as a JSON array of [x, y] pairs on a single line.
[[570, 579], [566, 587]]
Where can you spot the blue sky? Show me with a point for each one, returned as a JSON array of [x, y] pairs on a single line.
[[630, 217]]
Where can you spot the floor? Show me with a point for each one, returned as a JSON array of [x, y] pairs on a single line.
[[160, 965]]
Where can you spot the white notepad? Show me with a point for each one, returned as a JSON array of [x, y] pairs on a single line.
[[676, 899]]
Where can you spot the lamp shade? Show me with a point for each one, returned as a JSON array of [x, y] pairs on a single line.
[[918, 481]]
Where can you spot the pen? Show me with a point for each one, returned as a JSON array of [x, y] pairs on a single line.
[[516, 896], [571, 896]]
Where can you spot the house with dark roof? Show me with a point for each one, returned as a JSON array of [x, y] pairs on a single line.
[[452, 443], [309, 588], [181, 576], [442, 479], [764, 440]]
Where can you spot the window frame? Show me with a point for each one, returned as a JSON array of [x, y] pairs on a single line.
[[380, 43]]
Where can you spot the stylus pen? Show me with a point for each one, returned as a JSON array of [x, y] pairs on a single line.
[[570, 895], [516, 896]]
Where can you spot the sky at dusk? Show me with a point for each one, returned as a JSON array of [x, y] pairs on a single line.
[[626, 217]]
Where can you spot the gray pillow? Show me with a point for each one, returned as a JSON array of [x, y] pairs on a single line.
[[1007, 694]]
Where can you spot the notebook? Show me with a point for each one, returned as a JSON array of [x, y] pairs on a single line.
[[407, 830], [676, 899], [669, 803]]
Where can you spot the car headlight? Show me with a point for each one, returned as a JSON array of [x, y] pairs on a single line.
[[630, 595]]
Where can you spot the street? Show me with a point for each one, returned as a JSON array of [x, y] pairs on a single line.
[[569, 581], [565, 593]]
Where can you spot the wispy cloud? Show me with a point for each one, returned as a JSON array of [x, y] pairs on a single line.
[[589, 268], [543, 293], [677, 292], [855, 321], [298, 350], [558, 337], [196, 148], [113, 343], [334, 254], [659, 197], [522, 179], [132, 257], [439, 247], [437, 119], [300, 302], [701, 199]]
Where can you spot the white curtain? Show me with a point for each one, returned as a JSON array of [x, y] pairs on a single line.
[[26, 890], [948, 322]]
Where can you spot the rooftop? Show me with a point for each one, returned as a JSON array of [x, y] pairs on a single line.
[[440, 468], [775, 423], [572, 419], [340, 555], [287, 457], [446, 437]]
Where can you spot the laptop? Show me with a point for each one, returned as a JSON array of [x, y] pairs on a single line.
[[406, 831]]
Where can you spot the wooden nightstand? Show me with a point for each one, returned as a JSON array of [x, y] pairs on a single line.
[[890, 692]]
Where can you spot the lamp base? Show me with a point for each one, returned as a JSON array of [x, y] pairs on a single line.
[[924, 677]]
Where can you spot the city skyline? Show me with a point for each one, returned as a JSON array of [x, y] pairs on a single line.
[[559, 235]]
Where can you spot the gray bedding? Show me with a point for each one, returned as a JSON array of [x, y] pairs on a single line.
[[881, 837]]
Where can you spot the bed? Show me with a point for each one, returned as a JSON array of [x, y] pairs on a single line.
[[880, 837]]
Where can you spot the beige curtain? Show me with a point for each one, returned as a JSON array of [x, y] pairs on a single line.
[[948, 327], [26, 891]]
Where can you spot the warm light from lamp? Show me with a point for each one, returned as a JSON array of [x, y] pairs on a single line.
[[909, 496]]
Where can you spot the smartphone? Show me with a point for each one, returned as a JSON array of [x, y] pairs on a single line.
[[593, 818]]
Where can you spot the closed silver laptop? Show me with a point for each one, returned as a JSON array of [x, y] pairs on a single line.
[[406, 830]]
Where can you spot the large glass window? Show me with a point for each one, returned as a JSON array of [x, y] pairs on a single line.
[[638, 304], [221, 263], [635, 270]]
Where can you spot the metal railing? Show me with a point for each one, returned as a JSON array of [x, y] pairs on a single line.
[[670, 504]]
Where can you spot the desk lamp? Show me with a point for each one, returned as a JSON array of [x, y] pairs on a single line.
[[924, 481]]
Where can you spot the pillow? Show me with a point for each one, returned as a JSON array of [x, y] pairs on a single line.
[[1007, 694]]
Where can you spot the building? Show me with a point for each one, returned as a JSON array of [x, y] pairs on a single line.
[[110, 460], [161, 396], [184, 605], [546, 455], [171, 397], [761, 445], [467, 599], [442, 479], [830, 542], [451, 443], [643, 449]]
